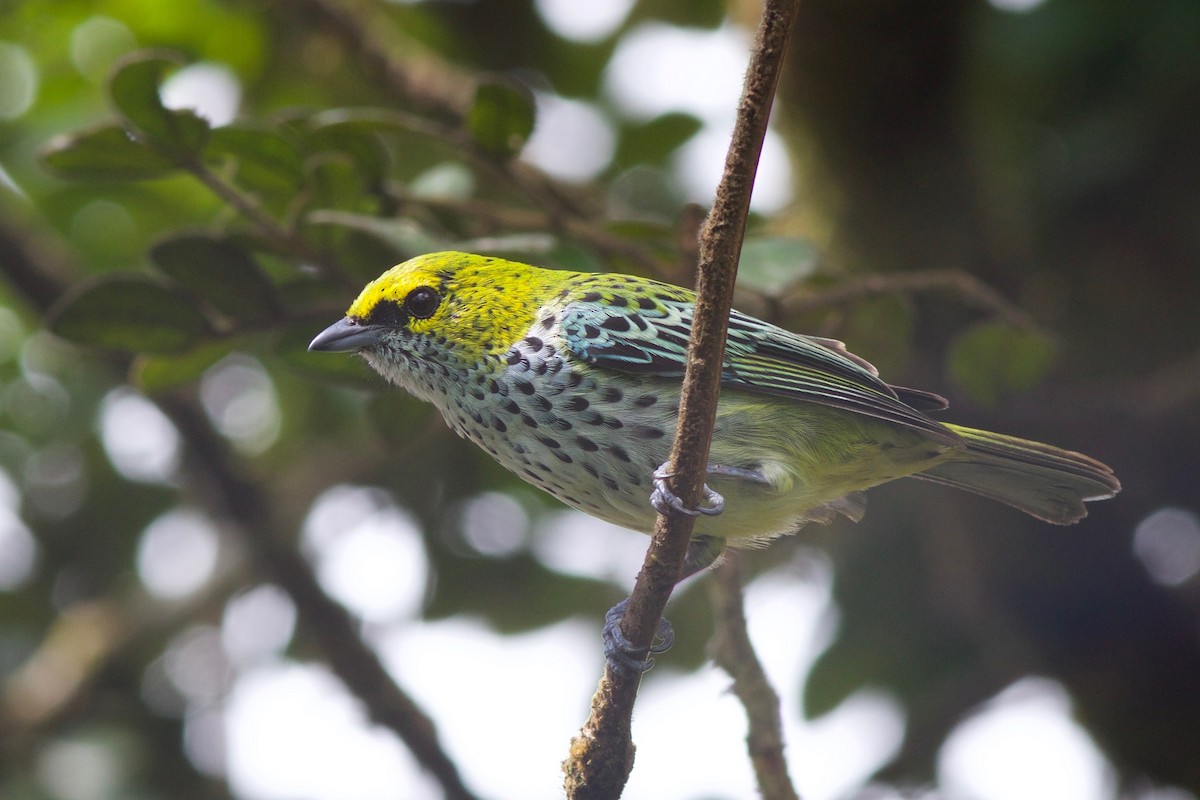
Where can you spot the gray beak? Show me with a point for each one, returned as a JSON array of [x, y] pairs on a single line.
[[346, 336]]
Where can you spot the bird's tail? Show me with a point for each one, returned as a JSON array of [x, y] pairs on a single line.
[[1047, 482]]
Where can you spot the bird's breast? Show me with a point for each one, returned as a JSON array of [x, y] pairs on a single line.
[[588, 437]]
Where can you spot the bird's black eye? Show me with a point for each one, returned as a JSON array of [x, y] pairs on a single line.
[[422, 302]]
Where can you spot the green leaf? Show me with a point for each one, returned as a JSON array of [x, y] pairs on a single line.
[[220, 272], [501, 117], [358, 141], [134, 88], [265, 162], [995, 360], [160, 373], [653, 141], [770, 264], [107, 153], [128, 311]]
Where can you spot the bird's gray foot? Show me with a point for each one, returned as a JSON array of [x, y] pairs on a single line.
[[664, 500], [622, 656]]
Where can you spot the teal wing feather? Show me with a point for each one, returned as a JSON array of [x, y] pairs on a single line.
[[644, 328]]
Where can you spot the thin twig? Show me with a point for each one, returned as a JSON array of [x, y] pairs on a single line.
[[732, 651], [290, 240], [968, 287], [601, 755], [529, 219]]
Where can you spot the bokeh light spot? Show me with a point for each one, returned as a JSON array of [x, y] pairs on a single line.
[[213, 91], [96, 43], [1024, 746], [18, 81], [369, 553], [572, 140], [177, 554], [257, 624], [1168, 544], [583, 22], [140, 441], [240, 400], [494, 524]]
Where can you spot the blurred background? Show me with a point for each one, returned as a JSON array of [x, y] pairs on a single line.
[[994, 200]]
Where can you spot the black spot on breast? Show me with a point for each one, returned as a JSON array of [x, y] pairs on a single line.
[[591, 332], [619, 452], [586, 444], [613, 423], [540, 403], [646, 432], [573, 380], [590, 470], [593, 297], [528, 420], [591, 418], [498, 424], [510, 407], [563, 457], [619, 300], [646, 303], [513, 357], [645, 400], [576, 403], [533, 342], [609, 482], [551, 443], [560, 424], [523, 386], [618, 324], [611, 394], [548, 322]]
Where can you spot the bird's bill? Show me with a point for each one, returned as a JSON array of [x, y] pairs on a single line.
[[345, 336]]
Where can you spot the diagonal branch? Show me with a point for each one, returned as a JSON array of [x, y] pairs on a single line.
[[601, 756], [733, 652], [39, 272]]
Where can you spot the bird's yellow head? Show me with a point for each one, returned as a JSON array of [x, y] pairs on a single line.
[[440, 308]]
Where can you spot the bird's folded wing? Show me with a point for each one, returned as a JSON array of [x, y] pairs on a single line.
[[649, 335]]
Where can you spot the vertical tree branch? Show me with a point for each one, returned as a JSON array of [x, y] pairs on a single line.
[[733, 652], [601, 756]]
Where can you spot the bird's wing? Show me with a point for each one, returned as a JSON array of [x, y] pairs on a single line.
[[646, 332]]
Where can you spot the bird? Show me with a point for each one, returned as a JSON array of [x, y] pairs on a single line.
[[572, 381]]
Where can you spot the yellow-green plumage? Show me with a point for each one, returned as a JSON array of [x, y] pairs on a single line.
[[572, 380]]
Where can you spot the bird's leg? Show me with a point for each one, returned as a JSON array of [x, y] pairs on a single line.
[[664, 500], [702, 552], [620, 652]]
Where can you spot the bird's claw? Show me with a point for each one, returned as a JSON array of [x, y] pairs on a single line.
[[664, 500], [620, 652]]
